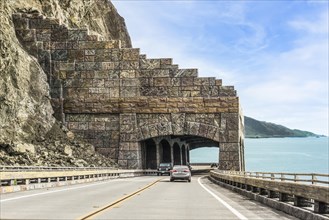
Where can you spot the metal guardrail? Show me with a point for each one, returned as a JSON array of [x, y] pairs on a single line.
[[44, 168], [18, 178], [312, 178]]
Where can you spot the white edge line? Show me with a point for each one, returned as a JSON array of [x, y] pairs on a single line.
[[234, 211]]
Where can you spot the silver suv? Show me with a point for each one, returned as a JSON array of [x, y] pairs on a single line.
[[164, 168]]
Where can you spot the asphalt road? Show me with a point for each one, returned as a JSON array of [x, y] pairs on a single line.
[[199, 199]]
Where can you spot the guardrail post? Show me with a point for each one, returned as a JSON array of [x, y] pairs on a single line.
[[254, 189], [262, 191], [12, 182], [301, 202], [313, 179], [283, 197], [320, 207]]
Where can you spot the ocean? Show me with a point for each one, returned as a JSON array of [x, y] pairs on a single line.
[[297, 155]]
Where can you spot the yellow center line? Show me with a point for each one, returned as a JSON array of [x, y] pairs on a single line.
[[111, 205]]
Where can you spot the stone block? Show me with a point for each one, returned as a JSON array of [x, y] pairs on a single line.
[[133, 164], [110, 65], [155, 73], [129, 82], [164, 128], [165, 62], [77, 35], [150, 64], [99, 44], [19, 22], [40, 23], [129, 92], [161, 81], [128, 74], [124, 146], [83, 66], [200, 81], [123, 163], [66, 66], [115, 92], [229, 147], [75, 55], [233, 136], [59, 55], [129, 65], [43, 34], [96, 126], [26, 35], [186, 73], [187, 81], [127, 128], [131, 54], [218, 82], [128, 137], [59, 34], [92, 38], [153, 132]]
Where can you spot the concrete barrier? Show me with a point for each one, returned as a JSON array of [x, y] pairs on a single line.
[[304, 201]]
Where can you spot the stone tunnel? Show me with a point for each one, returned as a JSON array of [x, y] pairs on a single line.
[[134, 110]]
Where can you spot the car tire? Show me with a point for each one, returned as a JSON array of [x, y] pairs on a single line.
[[171, 180], [189, 180], [157, 174]]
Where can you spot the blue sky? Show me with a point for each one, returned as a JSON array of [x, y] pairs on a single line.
[[275, 53]]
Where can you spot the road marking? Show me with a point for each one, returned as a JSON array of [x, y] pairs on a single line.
[[117, 202], [234, 211], [56, 191]]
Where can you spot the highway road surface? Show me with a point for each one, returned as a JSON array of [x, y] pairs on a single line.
[[149, 197]]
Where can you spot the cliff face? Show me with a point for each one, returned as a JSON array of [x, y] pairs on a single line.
[[27, 125]]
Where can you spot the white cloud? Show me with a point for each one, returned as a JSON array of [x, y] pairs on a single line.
[[318, 24]]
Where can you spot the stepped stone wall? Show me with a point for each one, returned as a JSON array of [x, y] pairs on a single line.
[[114, 97]]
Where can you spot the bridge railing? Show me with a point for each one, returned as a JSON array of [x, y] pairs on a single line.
[[45, 168], [13, 178], [309, 178], [304, 195]]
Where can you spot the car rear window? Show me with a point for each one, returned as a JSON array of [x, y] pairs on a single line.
[[164, 165], [181, 168]]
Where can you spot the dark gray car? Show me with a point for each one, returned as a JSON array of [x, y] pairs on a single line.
[[164, 168]]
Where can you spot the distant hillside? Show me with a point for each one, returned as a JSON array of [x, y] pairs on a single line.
[[261, 129]]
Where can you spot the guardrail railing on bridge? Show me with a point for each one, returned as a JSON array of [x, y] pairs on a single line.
[[44, 168], [18, 178], [303, 195], [313, 178]]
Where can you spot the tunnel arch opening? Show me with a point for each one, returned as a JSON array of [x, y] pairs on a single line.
[[174, 149], [165, 152]]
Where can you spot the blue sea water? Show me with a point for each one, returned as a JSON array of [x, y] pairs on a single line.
[[298, 155]]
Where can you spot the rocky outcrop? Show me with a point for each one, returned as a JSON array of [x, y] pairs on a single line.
[[26, 113]]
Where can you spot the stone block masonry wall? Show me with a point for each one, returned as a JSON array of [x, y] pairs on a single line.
[[115, 97]]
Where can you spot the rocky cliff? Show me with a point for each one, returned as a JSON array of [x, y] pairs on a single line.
[[29, 134]]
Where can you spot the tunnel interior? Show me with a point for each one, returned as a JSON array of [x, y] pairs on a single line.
[[171, 149]]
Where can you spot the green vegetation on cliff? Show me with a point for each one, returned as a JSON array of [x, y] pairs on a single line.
[[261, 129]]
